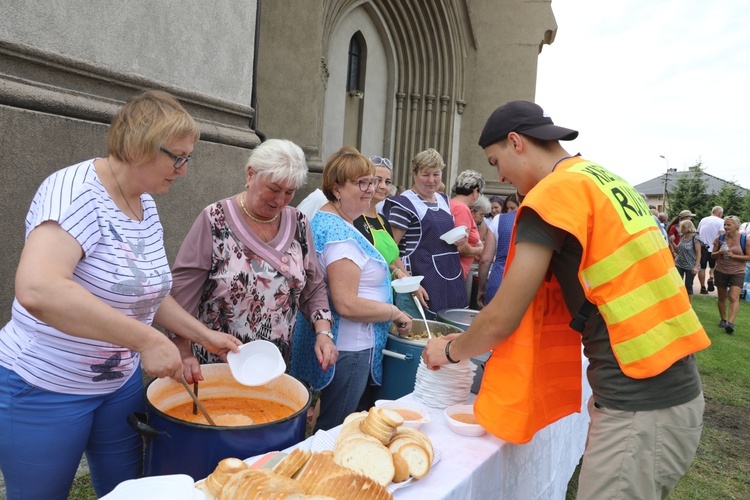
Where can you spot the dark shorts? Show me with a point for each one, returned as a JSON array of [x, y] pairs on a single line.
[[706, 258], [728, 280]]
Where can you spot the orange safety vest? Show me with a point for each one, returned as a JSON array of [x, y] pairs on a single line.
[[627, 271]]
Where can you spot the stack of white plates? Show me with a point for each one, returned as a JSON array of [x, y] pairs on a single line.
[[450, 385]]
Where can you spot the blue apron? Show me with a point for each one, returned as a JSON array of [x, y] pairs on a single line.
[[436, 260]]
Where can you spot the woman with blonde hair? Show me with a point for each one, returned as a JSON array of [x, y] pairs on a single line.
[[359, 289], [688, 255], [419, 217], [92, 280], [731, 254]]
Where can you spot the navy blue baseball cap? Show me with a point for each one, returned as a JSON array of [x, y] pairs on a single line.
[[525, 118]]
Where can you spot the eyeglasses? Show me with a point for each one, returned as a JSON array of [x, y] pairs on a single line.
[[179, 161], [379, 160], [365, 184]]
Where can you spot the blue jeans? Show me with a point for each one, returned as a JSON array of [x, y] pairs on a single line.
[[44, 434], [342, 396]]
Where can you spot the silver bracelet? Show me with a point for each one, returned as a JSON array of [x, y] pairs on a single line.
[[327, 333]]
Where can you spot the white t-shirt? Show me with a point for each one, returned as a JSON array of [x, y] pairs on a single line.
[[373, 285], [492, 225], [124, 265], [709, 228]]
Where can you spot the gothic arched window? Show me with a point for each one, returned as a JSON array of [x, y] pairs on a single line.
[[355, 63]]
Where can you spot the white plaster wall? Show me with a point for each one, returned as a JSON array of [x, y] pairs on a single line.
[[376, 101], [165, 40]]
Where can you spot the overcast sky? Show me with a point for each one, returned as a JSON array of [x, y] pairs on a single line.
[[641, 79]]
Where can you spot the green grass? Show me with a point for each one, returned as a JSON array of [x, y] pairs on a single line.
[[721, 469]]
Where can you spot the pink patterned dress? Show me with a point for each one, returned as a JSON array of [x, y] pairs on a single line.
[[235, 283]]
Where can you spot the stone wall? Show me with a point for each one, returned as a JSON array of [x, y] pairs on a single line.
[[66, 66]]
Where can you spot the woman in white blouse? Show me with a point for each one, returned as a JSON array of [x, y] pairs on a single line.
[[92, 278], [359, 288]]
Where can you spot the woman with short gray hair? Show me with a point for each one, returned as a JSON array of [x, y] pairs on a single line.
[[467, 190], [247, 265], [479, 211]]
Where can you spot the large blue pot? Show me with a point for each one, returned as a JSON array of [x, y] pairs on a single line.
[[401, 359], [176, 446]]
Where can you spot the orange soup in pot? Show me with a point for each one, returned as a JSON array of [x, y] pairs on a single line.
[[233, 412]]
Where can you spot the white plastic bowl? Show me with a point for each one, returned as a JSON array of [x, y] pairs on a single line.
[[454, 235], [462, 428], [407, 285], [171, 487], [257, 363], [408, 406]]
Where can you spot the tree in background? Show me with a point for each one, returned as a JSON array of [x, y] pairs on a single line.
[[745, 215], [730, 199], [690, 194]]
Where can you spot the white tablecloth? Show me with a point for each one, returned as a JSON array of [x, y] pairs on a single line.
[[487, 468]]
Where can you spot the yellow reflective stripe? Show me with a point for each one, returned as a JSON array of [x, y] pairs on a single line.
[[645, 296], [623, 258], [657, 338]]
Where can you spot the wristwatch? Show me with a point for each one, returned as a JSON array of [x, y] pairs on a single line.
[[327, 333]]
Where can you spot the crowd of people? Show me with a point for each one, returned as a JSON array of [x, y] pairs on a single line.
[[716, 252], [318, 286]]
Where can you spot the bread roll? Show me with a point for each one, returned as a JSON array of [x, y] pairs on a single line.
[[367, 458], [224, 470], [292, 463], [417, 435], [401, 468], [417, 458], [392, 418]]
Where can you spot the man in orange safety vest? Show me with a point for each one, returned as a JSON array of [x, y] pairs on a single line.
[[587, 264]]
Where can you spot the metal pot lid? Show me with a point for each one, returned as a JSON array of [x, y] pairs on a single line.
[[458, 317]]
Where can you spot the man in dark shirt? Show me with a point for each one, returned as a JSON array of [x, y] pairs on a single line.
[[644, 432]]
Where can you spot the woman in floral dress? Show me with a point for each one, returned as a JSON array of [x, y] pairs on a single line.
[[246, 266]]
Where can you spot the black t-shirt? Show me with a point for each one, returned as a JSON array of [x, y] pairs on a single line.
[[678, 384], [375, 222]]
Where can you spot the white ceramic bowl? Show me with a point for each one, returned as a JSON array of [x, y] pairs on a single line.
[[454, 235], [407, 285], [460, 427], [404, 408], [257, 363]]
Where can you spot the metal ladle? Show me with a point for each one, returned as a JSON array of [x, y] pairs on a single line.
[[421, 311], [197, 402]]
